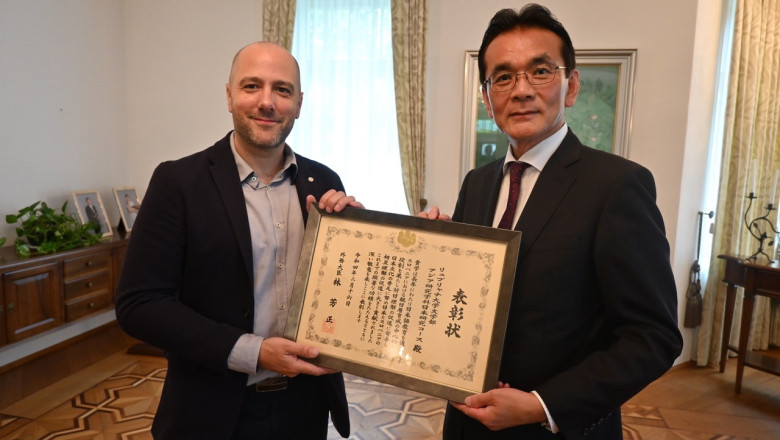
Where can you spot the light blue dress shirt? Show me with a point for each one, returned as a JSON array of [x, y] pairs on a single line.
[[276, 227]]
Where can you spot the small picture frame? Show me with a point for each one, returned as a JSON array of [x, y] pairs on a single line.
[[128, 203], [90, 209]]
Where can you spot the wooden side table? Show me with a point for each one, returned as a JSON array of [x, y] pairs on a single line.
[[757, 279]]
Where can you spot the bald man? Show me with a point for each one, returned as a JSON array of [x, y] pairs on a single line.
[[211, 263]]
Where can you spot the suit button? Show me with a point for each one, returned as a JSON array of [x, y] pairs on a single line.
[[246, 313]]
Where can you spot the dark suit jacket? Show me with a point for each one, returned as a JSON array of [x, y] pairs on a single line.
[[92, 214], [186, 287], [593, 318]]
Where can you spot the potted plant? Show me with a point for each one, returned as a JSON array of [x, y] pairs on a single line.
[[43, 230]]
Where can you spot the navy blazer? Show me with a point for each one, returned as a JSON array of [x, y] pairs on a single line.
[[593, 318], [186, 287]]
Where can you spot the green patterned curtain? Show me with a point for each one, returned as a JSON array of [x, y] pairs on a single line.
[[751, 153], [279, 22], [409, 30]]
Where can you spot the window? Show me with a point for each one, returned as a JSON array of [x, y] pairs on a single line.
[[348, 120], [712, 182]]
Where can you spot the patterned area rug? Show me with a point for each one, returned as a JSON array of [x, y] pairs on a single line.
[[122, 408], [378, 412]]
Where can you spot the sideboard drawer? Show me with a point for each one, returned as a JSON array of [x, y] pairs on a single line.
[[88, 284], [87, 304], [83, 265]]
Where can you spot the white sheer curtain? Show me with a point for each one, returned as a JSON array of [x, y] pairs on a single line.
[[348, 121]]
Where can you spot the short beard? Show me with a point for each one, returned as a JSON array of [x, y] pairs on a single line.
[[244, 130]]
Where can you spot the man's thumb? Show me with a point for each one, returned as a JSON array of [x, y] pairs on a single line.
[[307, 351], [477, 400]]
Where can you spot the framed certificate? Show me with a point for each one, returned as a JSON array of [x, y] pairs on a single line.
[[403, 300]]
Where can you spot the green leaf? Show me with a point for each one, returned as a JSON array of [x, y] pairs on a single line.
[[22, 249], [44, 230]]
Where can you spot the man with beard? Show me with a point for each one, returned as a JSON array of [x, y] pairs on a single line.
[[211, 263]]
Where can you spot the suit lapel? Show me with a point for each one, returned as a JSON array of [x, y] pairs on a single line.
[[554, 181], [225, 175], [479, 195], [489, 209]]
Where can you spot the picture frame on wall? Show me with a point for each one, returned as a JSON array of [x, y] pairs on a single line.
[[128, 203], [90, 209], [601, 117]]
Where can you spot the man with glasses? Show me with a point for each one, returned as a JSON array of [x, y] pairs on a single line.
[[593, 318]]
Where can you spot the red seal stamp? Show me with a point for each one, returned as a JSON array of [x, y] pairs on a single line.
[[328, 326]]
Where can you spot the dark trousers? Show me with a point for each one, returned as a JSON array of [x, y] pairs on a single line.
[[298, 412]]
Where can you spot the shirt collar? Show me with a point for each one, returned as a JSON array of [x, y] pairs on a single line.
[[540, 153], [289, 169]]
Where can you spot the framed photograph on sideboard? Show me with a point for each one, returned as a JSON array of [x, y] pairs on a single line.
[[128, 203], [90, 209]]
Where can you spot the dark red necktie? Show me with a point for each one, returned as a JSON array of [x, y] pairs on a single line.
[[516, 170]]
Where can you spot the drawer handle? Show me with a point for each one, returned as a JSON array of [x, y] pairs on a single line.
[[11, 306], [89, 263], [90, 284], [91, 305]]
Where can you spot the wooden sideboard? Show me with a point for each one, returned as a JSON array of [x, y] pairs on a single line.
[[57, 315], [39, 294], [757, 279]]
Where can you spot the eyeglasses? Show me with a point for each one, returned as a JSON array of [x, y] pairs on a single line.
[[536, 75]]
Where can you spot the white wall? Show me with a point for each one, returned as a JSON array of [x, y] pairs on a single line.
[[63, 108], [178, 60], [98, 92]]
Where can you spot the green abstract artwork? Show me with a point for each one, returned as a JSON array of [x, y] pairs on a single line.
[[592, 117]]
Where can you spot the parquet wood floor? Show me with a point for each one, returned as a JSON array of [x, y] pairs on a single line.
[[119, 400]]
